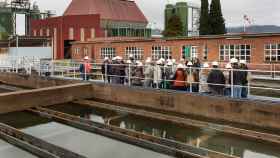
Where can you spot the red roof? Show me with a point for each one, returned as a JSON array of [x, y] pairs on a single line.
[[118, 10]]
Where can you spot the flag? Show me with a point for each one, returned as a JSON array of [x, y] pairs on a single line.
[[247, 19]]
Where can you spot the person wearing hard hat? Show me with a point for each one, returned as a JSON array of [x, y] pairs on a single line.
[[203, 86], [138, 75], [179, 78], [190, 77], [158, 74], [216, 80], [148, 73], [167, 74], [106, 69], [237, 79], [227, 71], [245, 75], [85, 69]]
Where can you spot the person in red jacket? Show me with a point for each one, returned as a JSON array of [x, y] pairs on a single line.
[[85, 68], [180, 78]]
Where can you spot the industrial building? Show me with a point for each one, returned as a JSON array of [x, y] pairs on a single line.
[[255, 48], [89, 19], [189, 15]]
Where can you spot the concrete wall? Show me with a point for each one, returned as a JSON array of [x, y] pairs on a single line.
[[258, 113], [22, 100], [32, 82]]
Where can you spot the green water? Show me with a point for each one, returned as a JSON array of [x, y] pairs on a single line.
[[84, 143], [203, 138]]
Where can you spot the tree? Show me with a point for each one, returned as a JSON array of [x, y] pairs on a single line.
[[217, 21], [204, 25], [4, 36], [174, 27]]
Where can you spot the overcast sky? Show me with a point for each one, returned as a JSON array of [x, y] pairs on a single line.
[[262, 12]]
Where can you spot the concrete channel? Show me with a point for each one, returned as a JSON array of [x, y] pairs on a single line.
[[64, 118]]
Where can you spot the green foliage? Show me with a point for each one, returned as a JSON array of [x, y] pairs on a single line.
[[217, 21], [4, 35], [174, 27], [204, 25]]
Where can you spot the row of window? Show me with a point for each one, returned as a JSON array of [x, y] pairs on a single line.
[[71, 33], [227, 52]]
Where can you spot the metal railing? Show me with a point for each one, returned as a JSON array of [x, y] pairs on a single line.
[[127, 75], [152, 76]]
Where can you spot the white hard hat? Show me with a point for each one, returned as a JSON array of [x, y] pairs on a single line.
[[86, 57], [148, 61], [140, 64], [182, 60], [159, 62], [131, 55], [170, 63], [114, 58], [106, 58], [162, 60], [228, 66], [243, 62], [189, 63], [118, 58], [180, 66], [128, 62], [233, 61], [215, 63], [174, 60], [206, 65]]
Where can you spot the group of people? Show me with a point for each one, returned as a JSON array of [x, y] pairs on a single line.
[[191, 76]]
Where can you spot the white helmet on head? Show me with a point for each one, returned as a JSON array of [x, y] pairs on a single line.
[[243, 62], [86, 58], [159, 62], [170, 63], [215, 63], [174, 61], [114, 58], [206, 65], [140, 64], [233, 61], [106, 58], [148, 61], [228, 66], [131, 56], [128, 62], [180, 66], [189, 63]]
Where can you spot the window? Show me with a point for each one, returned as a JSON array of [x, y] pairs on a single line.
[[35, 33], [77, 51], [161, 52], [85, 51], [241, 52], [41, 32], [108, 52], [82, 34], [272, 52], [71, 33], [48, 32], [138, 53], [92, 33], [189, 52]]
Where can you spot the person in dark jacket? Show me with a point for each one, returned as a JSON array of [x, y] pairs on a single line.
[[216, 80], [236, 76], [106, 69], [244, 79]]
